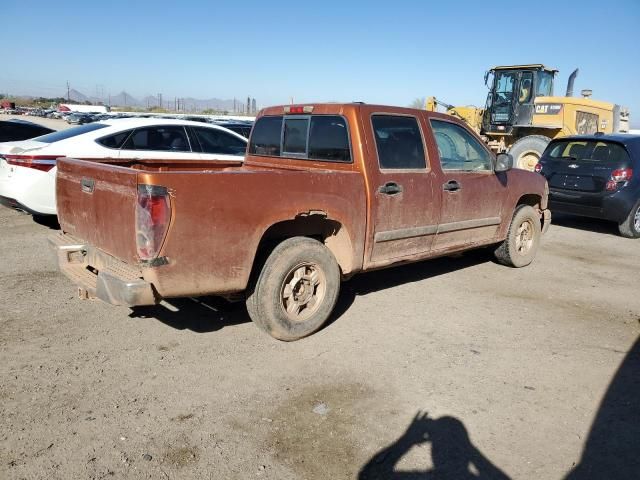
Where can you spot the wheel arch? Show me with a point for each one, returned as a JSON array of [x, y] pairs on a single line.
[[332, 233]]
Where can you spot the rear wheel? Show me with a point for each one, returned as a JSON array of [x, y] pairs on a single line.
[[630, 228], [296, 289], [520, 247], [527, 151]]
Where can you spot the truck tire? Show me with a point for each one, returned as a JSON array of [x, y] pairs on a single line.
[[527, 151], [296, 289], [520, 247], [630, 227]]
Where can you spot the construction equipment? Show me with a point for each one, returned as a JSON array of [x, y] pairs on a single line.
[[521, 115]]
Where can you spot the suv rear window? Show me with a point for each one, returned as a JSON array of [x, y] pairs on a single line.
[[312, 137], [69, 132], [587, 150]]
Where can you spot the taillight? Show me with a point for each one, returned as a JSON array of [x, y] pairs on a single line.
[[43, 163], [153, 213], [618, 176], [538, 168]]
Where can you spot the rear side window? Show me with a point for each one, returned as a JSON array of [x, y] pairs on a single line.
[[588, 150], [266, 136], [69, 132], [114, 141], [216, 141], [160, 138], [399, 142]]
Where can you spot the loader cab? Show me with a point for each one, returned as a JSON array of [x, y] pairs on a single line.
[[512, 91]]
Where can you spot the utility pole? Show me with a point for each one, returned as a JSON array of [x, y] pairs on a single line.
[[68, 99]]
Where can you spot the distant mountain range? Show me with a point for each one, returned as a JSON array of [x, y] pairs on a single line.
[[124, 99]]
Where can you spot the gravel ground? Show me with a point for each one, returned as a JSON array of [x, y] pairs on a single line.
[[511, 366]]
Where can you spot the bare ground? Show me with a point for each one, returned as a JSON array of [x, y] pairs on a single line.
[[510, 364]]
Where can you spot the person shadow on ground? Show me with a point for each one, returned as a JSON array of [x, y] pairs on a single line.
[[454, 457]]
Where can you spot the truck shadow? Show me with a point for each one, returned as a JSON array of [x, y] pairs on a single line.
[[200, 315], [370, 282], [209, 314], [587, 224]]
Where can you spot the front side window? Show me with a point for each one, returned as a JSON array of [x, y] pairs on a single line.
[[158, 138], [398, 141], [216, 141], [458, 149]]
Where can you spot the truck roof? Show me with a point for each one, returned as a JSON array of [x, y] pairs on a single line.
[[532, 66]]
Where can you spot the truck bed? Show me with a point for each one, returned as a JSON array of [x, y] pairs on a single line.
[[97, 205]]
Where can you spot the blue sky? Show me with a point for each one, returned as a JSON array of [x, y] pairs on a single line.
[[377, 52]]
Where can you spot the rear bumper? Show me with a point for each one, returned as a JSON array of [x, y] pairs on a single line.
[[614, 207], [99, 275]]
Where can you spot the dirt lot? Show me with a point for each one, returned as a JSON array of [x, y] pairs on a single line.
[[511, 366]]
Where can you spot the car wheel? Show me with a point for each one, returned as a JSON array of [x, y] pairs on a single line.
[[296, 289], [630, 227], [523, 239]]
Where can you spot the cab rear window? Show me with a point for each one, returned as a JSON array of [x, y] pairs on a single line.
[[311, 137], [587, 150]]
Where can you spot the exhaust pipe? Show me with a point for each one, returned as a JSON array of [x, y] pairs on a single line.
[[572, 78]]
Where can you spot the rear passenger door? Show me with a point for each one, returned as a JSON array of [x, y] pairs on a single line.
[[164, 142], [405, 200], [472, 194]]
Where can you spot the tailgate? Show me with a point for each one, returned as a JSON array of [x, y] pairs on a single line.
[[97, 203]]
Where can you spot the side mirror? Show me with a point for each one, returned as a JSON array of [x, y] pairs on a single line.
[[504, 162]]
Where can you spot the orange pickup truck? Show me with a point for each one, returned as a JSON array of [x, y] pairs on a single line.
[[325, 191]]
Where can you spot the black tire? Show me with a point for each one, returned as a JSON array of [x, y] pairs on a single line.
[[279, 287], [517, 251], [530, 145], [630, 227]]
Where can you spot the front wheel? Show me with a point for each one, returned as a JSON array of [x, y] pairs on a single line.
[[523, 239], [630, 227], [296, 289]]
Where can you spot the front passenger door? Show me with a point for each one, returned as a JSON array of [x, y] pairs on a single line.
[[472, 194]]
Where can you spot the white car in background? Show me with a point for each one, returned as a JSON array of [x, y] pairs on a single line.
[[28, 168]]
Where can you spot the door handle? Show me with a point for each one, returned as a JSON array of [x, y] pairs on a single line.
[[390, 188], [451, 186]]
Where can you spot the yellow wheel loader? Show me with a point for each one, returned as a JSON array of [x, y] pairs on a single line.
[[522, 115]]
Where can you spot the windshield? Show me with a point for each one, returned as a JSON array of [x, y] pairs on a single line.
[[544, 85], [588, 150], [69, 132]]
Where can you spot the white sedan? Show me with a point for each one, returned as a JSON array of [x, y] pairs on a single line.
[[28, 168]]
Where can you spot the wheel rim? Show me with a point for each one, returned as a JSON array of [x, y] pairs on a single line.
[[302, 291], [636, 220], [528, 160], [524, 237]]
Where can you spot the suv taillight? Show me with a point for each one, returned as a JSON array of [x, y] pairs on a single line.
[[44, 163], [153, 213], [620, 175]]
